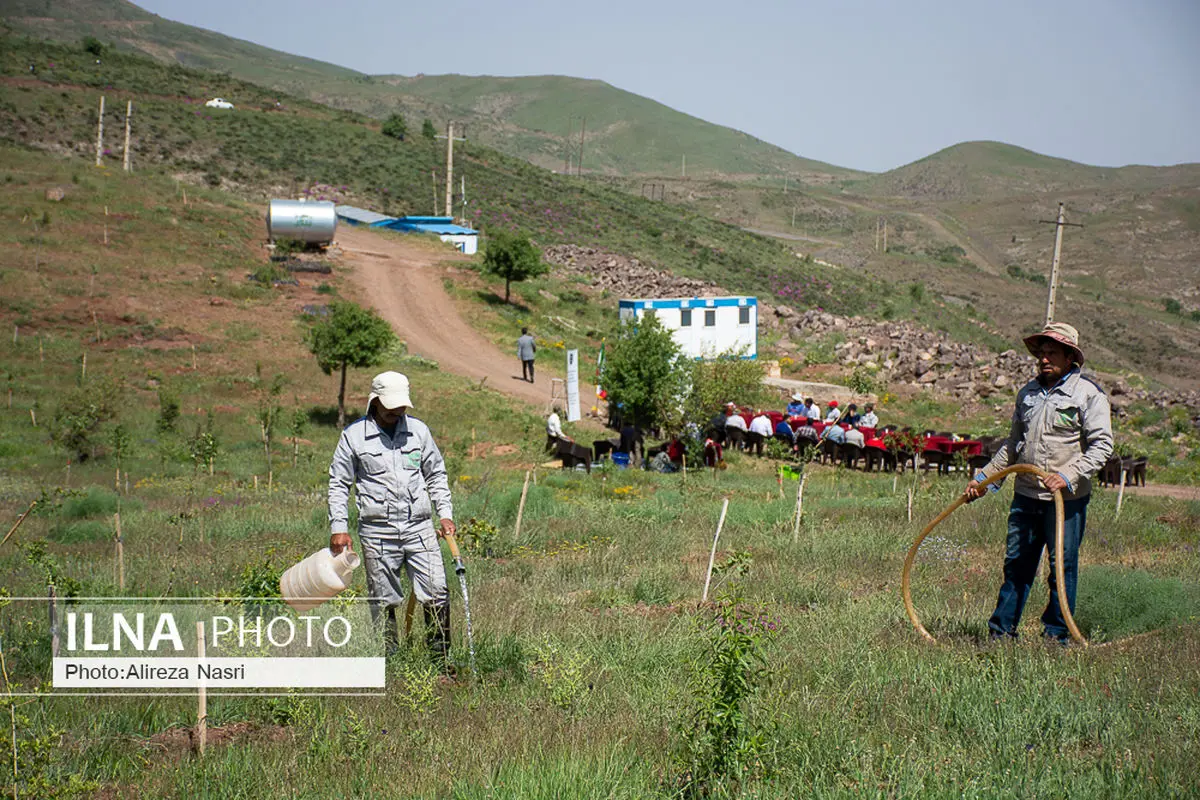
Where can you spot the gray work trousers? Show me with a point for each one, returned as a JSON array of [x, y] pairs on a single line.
[[416, 553]]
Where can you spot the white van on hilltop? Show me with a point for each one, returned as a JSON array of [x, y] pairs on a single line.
[[218, 102]]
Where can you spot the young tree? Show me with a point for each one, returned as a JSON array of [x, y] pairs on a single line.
[[643, 372], [395, 127], [350, 336], [726, 378], [513, 258], [267, 399], [427, 129]]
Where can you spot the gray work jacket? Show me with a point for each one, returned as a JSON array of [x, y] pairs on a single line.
[[1066, 428], [395, 479]]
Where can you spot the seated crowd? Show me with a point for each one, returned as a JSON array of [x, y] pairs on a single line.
[[840, 435]]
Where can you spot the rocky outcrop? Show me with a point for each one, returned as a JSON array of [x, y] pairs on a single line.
[[905, 353], [626, 277]]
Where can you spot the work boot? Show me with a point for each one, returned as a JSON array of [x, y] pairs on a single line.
[[437, 635]]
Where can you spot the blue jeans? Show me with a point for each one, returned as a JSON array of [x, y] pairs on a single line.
[[1030, 529]]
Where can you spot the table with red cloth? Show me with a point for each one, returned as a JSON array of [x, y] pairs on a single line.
[[944, 444]]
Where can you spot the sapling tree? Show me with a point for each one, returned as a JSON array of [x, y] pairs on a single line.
[[350, 336], [120, 442], [427, 129], [643, 372], [513, 258], [203, 447], [298, 423], [266, 396]]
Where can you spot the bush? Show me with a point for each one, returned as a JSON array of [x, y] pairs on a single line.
[[395, 127], [862, 381], [1172, 306]]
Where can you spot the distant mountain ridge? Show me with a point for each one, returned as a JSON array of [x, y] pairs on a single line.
[[537, 118]]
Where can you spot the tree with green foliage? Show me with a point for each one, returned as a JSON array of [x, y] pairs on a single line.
[[513, 258], [266, 394], [92, 45], [80, 414], [350, 336], [643, 372], [716, 381], [427, 129], [395, 127]]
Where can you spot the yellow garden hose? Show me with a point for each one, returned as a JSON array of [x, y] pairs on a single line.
[[906, 580]]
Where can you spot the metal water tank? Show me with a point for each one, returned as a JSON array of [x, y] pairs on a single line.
[[308, 222]]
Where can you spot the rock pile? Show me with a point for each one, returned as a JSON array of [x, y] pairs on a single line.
[[905, 353], [624, 276]]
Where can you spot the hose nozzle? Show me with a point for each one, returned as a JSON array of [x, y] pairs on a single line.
[[459, 567]]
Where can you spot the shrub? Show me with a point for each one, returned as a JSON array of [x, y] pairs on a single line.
[[395, 127]]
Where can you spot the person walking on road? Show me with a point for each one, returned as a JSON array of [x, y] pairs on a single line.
[[526, 348], [397, 472], [1062, 424]]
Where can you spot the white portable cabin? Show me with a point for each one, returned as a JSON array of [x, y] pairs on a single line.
[[703, 327]]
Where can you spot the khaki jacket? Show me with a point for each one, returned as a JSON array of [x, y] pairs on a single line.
[[1065, 429], [395, 479]]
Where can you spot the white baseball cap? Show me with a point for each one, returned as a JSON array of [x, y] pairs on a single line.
[[391, 390]]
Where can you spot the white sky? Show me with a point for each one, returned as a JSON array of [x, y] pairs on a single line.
[[869, 85]]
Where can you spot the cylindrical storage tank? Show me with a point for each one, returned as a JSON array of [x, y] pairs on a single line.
[[311, 223]]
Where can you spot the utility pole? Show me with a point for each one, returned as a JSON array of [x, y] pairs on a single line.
[[885, 234], [100, 133], [463, 193], [128, 115], [1059, 224], [433, 177], [449, 137]]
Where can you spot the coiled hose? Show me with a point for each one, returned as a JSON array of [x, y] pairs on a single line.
[[906, 580]]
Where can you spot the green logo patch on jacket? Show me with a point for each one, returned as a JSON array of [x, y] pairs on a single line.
[[414, 458], [1068, 416]]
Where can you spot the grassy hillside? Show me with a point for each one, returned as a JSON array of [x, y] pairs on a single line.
[[523, 117], [625, 133], [591, 645], [979, 170], [264, 150]]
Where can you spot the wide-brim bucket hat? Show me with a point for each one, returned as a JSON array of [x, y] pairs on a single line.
[[391, 390], [1060, 332], [797, 397]]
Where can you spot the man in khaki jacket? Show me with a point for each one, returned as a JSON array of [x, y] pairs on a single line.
[[1062, 425]]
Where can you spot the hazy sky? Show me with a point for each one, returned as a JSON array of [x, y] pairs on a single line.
[[870, 85]]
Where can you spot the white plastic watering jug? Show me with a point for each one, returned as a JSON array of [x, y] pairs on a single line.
[[317, 578]]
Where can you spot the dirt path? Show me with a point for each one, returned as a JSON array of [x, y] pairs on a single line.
[[402, 281]]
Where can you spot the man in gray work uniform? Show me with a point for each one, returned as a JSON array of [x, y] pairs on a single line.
[[399, 475]]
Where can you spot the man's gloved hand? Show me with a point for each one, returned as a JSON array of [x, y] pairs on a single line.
[[447, 528], [339, 542]]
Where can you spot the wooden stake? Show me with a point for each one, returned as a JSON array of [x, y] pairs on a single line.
[[120, 553], [53, 603], [17, 524], [521, 508], [685, 467], [1120, 495], [185, 202], [472, 444], [100, 133], [270, 481], [128, 116], [41, 350], [68, 479], [799, 509], [83, 368], [895, 478], [96, 322], [911, 489], [10, 397], [712, 556], [201, 695], [193, 358], [16, 329], [33, 417], [256, 483], [779, 478]]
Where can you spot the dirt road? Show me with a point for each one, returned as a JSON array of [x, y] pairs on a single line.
[[402, 282]]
